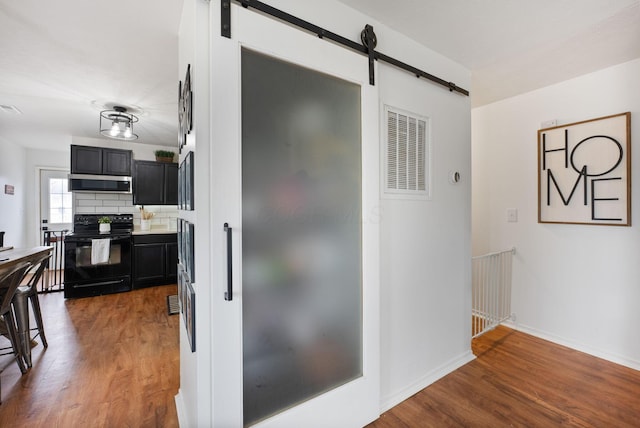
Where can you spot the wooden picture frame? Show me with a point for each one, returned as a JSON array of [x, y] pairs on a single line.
[[181, 134], [180, 187], [183, 244], [186, 183], [190, 251], [189, 204], [183, 292], [185, 109], [189, 313], [180, 240], [187, 96], [584, 172], [180, 288], [186, 247]]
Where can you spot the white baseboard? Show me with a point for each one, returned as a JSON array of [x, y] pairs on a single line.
[[424, 381], [618, 359], [180, 409]]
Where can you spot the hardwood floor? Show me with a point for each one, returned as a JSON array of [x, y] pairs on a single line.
[[112, 361], [519, 380]]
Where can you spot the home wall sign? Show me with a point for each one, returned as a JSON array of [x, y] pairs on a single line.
[[584, 172]]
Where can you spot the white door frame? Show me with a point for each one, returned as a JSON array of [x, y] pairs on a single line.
[[37, 199]]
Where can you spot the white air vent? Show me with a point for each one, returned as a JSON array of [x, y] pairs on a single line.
[[407, 155], [9, 109]]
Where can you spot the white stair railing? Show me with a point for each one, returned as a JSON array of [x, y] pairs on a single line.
[[491, 290]]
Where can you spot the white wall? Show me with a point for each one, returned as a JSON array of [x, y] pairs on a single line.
[[573, 284], [12, 207], [425, 245], [194, 399], [426, 249]]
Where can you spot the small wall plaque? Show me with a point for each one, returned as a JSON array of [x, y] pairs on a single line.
[[9, 189]]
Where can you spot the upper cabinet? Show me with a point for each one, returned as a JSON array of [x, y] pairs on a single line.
[[100, 161], [155, 183]]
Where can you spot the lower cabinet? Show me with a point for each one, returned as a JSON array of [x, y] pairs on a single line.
[[155, 259]]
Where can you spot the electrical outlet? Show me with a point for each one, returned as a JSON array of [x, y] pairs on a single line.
[[512, 215]]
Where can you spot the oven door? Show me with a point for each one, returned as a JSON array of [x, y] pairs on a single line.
[[83, 277]]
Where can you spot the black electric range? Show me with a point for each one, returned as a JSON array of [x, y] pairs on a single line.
[[85, 275]]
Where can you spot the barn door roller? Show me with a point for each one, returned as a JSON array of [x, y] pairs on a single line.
[[370, 41]]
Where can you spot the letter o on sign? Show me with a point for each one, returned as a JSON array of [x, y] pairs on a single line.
[[617, 163]]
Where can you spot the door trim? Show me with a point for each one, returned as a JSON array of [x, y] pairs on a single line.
[[37, 199]]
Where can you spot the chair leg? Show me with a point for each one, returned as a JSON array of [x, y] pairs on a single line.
[[35, 304], [15, 341], [21, 312]]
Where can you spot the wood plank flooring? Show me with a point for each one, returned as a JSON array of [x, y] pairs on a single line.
[[112, 361], [519, 380]]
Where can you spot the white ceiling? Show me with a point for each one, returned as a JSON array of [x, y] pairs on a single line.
[[60, 58], [515, 46]]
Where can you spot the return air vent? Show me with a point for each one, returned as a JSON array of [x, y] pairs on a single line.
[[406, 155]]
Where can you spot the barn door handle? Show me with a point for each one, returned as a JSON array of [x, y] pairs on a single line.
[[228, 295]]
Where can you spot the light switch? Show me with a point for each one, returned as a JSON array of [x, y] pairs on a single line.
[[512, 215]]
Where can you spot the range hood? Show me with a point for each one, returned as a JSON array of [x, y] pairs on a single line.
[[99, 183]]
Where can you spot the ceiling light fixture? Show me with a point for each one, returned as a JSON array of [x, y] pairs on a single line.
[[118, 124]]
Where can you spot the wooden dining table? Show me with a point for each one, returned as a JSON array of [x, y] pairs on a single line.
[[10, 258]]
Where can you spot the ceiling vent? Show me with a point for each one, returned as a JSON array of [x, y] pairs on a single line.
[[9, 109], [407, 155]]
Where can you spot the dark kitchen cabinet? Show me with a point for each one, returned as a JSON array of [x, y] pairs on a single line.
[[155, 259], [155, 183], [100, 161]]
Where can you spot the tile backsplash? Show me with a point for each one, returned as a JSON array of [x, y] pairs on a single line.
[[119, 203]]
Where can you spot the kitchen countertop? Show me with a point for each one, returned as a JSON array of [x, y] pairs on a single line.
[[153, 231]]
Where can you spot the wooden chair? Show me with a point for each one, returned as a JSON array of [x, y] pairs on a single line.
[[29, 292], [9, 282]]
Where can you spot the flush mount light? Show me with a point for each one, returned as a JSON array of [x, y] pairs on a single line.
[[117, 123]]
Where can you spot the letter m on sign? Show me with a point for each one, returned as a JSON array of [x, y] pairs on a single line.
[[551, 179]]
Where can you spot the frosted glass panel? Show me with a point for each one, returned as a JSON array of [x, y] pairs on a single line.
[[301, 234]]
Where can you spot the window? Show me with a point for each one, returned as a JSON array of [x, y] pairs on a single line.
[[59, 201], [407, 155]]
